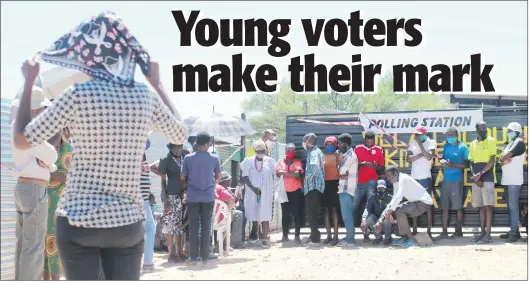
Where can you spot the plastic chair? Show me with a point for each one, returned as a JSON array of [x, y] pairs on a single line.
[[223, 226]]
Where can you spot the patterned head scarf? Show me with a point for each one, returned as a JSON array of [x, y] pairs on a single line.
[[101, 47]]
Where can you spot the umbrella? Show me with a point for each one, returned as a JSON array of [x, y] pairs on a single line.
[[54, 81], [219, 125]]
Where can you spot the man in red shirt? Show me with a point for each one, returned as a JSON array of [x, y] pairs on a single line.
[[371, 162], [223, 193]]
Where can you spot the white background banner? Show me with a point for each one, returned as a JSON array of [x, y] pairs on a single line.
[[435, 121]]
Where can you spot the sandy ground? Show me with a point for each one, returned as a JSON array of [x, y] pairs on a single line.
[[454, 259]]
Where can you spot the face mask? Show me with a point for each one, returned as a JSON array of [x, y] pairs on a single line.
[[259, 156], [511, 135], [290, 155], [422, 137], [482, 134], [451, 140], [381, 194], [304, 146], [330, 149]]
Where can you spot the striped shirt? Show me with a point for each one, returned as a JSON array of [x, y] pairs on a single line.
[[314, 174], [349, 167], [145, 185]]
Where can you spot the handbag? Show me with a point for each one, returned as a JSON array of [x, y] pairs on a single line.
[[280, 195]]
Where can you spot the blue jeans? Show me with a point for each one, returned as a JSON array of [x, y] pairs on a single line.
[[347, 207], [150, 233], [362, 193], [513, 200]]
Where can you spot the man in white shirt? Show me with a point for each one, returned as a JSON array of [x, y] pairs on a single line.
[[419, 202], [347, 187], [32, 169], [420, 155]]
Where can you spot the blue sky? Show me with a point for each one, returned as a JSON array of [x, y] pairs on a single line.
[[452, 31]]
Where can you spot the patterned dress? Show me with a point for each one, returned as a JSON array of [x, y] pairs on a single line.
[[52, 263]]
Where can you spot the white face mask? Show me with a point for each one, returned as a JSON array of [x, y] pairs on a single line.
[[304, 146], [259, 156]]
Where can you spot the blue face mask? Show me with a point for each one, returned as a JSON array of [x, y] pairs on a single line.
[[511, 135], [451, 140], [330, 149]]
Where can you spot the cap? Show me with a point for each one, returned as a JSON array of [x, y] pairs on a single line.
[[332, 139], [224, 176], [514, 126], [259, 145], [420, 130], [269, 131], [381, 183], [38, 99]]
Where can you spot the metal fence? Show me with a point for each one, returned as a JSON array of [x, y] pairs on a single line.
[[497, 119]]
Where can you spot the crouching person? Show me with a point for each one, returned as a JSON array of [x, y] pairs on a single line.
[[419, 202], [376, 204]]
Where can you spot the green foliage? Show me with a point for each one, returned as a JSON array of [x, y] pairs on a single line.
[[269, 111]]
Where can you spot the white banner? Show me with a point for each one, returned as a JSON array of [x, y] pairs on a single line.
[[435, 121]]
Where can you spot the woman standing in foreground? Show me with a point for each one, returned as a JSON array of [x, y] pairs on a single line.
[[52, 262], [100, 215], [258, 174]]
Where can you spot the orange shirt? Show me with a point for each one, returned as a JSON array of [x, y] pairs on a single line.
[[291, 183], [330, 166]]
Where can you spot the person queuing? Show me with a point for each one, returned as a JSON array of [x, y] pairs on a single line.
[[419, 202], [169, 168], [512, 160], [258, 175], [376, 204], [371, 163], [420, 154], [149, 224], [100, 214], [200, 170], [347, 187], [52, 266], [223, 193], [32, 170], [482, 156], [291, 169], [331, 202], [453, 163], [313, 186]]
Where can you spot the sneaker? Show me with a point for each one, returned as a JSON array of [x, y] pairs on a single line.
[[285, 239], [443, 235], [204, 263], [484, 240], [189, 261], [148, 268], [212, 256], [297, 239], [252, 240], [408, 243], [397, 242], [328, 240], [366, 239], [514, 236], [377, 241], [477, 237], [504, 236], [334, 242], [387, 242], [456, 235], [346, 244], [265, 245], [311, 244]]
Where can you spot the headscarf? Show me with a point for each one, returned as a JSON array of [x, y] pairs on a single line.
[[101, 47]]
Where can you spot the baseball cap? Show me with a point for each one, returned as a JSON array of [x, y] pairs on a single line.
[[332, 139], [38, 99], [420, 130], [514, 126], [381, 183]]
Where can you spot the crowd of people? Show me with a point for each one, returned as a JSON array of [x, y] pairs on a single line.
[[83, 199]]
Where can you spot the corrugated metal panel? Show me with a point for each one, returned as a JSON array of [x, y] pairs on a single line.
[[7, 198], [497, 119]]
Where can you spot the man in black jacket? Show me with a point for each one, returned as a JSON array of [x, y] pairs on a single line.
[[376, 204]]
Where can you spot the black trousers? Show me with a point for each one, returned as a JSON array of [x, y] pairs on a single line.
[[313, 202], [292, 207], [83, 251], [200, 215]]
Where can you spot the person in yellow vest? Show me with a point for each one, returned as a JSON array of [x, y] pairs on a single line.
[[269, 138]]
